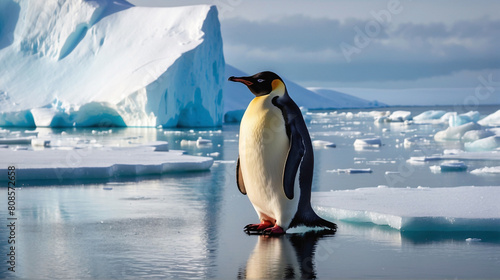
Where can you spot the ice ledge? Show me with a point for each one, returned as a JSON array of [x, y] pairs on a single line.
[[415, 209], [95, 163]]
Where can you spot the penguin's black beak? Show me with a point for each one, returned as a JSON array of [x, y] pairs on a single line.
[[244, 80]]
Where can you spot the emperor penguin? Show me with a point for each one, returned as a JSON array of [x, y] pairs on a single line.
[[275, 162]]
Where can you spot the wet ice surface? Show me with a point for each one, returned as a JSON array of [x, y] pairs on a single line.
[[189, 225]]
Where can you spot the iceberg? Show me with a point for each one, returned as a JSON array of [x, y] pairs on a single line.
[[465, 208], [109, 63], [367, 143], [449, 166]]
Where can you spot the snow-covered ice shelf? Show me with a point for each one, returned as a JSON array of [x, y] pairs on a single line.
[[99, 163], [415, 209]]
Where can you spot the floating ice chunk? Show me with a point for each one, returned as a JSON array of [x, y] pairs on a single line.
[[323, 144], [473, 135], [400, 116], [429, 116], [203, 142], [449, 166], [92, 163], [456, 133], [367, 143], [412, 209], [446, 117], [486, 144], [473, 239], [351, 170], [381, 119], [458, 120], [491, 120], [415, 141], [486, 170], [459, 155]]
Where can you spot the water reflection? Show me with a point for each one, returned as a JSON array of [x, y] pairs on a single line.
[[291, 256]]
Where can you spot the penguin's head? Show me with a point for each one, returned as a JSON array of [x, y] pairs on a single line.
[[261, 83]]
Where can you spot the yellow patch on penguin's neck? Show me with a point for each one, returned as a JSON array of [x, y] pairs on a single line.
[[278, 87]]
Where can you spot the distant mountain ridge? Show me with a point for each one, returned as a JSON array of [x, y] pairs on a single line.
[[237, 97]]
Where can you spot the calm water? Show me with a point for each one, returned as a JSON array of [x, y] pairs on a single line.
[[190, 225]]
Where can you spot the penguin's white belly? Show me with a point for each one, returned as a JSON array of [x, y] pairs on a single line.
[[263, 149]]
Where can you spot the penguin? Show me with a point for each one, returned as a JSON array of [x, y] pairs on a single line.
[[275, 162]]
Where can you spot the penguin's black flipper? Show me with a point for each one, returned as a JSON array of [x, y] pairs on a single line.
[[293, 160], [239, 178], [291, 114]]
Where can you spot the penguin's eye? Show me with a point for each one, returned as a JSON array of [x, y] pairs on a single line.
[[260, 80]]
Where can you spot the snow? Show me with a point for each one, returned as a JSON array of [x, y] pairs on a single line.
[[98, 163], [465, 208], [108, 63], [237, 97], [458, 120]]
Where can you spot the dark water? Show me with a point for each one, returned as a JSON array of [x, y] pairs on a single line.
[[190, 225]]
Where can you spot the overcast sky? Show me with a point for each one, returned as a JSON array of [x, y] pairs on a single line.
[[362, 44]]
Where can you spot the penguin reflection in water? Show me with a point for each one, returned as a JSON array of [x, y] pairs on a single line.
[[275, 162]]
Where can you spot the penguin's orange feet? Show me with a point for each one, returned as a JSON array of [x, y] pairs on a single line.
[[257, 228], [274, 231]]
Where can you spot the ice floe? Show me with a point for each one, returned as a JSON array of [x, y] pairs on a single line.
[[449, 166], [415, 209], [456, 132], [367, 143], [323, 144], [351, 170], [100, 163], [491, 120], [486, 170], [400, 116]]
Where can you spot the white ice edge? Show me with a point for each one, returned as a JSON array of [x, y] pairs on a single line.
[[415, 209], [88, 163]]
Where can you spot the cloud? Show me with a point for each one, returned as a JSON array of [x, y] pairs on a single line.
[[309, 49]]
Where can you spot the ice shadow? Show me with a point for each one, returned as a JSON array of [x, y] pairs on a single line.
[[427, 237], [291, 256], [388, 235]]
